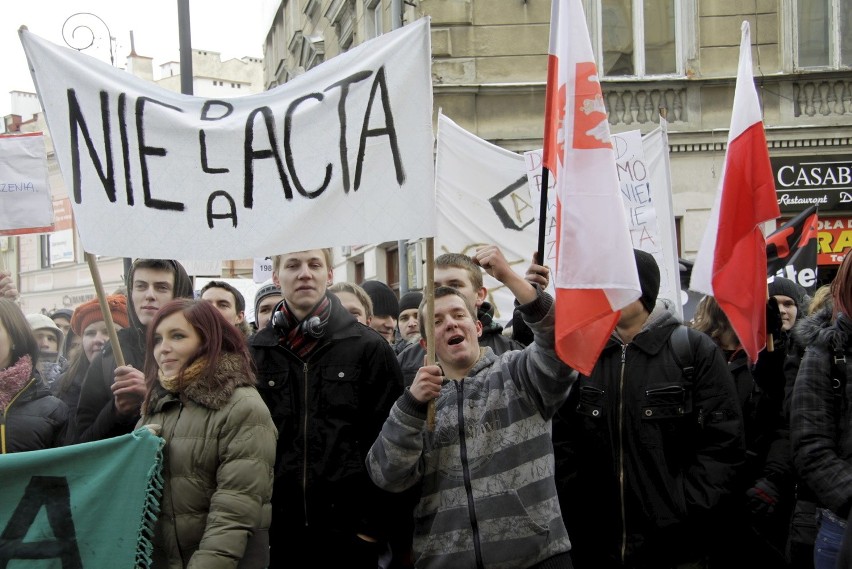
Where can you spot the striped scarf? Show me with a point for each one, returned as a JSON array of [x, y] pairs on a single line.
[[303, 336]]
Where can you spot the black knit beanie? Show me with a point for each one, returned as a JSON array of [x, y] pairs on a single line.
[[409, 300], [384, 299], [649, 278], [785, 287]]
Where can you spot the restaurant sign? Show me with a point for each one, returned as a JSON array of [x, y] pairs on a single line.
[[801, 181]]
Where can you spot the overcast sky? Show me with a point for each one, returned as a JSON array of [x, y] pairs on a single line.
[[235, 28]]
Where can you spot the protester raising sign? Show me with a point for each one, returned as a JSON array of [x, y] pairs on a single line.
[[340, 155]]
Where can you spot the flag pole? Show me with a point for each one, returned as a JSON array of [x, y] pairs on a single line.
[[102, 301], [542, 214], [770, 340]]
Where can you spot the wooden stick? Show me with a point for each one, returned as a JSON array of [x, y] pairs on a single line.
[[430, 321], [99, 289]]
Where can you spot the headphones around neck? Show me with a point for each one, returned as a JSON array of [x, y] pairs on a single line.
[[312, 327]]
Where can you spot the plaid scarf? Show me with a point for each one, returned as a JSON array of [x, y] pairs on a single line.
[[303, 336]]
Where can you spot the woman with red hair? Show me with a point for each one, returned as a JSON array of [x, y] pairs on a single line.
[[220, 441]]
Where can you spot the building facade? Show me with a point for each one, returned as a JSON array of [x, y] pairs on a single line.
[[489, 71]]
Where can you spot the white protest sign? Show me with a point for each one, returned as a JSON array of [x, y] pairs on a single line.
[[482, 198], [25, 203], [341, 154], [656, 147], [262, 269], [532, 160]]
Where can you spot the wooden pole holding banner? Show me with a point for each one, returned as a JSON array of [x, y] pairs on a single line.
[[429, 325], [102, 301]]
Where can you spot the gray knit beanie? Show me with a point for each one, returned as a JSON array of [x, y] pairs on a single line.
[[267, 289]]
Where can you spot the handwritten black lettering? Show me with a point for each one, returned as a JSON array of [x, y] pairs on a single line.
[[341, 114], [134, 111], [227, 107], [389, 130], [251, 155], [125, 146], [288, 152], [144, 151], [232, 214], [78, 125], [202, 143]]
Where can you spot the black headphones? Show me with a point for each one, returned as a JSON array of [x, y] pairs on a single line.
[[312, 326]]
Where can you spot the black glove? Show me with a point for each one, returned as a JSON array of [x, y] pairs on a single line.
[[763, 497], [773, 318]]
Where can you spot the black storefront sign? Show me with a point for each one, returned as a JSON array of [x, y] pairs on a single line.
[[824, 181]]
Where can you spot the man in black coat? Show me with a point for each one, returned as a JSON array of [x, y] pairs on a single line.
[[329, 382], [111, 395]]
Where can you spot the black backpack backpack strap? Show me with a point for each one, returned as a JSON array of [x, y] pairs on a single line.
[[682, 350]]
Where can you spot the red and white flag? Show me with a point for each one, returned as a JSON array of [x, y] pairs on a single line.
[[731, 262], [595, 267]]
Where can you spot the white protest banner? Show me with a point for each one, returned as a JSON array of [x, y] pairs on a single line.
[[656, 147], [532, 159], [341, 154], [25, 203], [482, 198], [647, 199]]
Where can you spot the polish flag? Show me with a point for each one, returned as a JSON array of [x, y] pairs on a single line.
[[595, 268], [731, 262]]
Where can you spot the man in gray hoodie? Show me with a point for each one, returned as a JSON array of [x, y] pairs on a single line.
[[486, 471]]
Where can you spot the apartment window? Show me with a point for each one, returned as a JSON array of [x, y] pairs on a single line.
[[823, 30], [359, 271], [392, 260], [375, 26], [637, 38]]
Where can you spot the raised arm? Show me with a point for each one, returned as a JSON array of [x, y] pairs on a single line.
[[495, 264]]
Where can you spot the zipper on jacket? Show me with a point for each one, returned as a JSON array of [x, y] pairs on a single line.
[[305, 367], [177, 534], [5, 414], [620, 420], [468, 488], [305, 446]]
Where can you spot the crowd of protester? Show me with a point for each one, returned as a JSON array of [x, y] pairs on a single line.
[[341, 427]]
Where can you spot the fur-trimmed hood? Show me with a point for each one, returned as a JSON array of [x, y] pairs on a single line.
[[212, 392], [815, 329]]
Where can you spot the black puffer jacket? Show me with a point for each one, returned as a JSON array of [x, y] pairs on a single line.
[[96, 414], [328, 409], [34, 420], [644, 454]]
